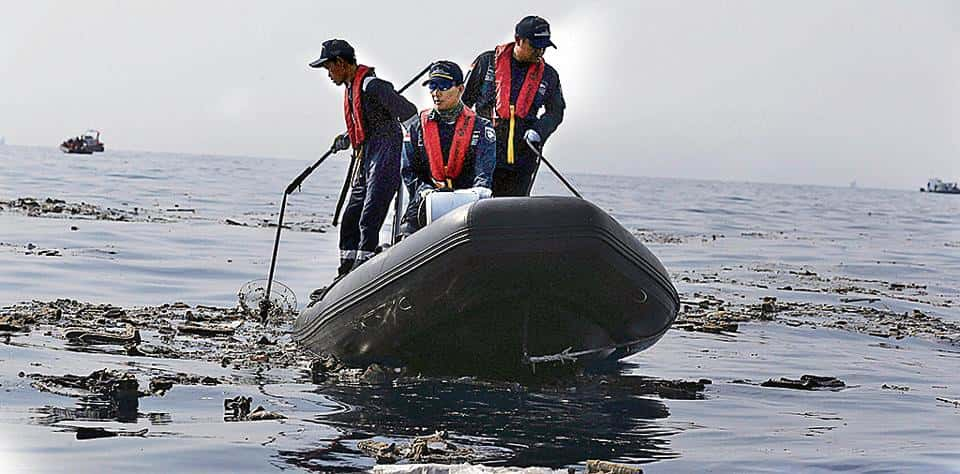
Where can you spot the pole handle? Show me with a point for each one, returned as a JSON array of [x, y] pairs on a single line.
[[299, 179]]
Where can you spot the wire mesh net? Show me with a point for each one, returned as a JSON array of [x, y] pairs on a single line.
[[253, 300]]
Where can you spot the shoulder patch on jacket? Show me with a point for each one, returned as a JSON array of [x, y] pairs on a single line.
[[490, 134]]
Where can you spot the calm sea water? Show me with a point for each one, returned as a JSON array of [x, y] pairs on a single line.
[[736, 232]]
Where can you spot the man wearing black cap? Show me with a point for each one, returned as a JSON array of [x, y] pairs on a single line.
[[509, 85], [449, 148], [373, 111]]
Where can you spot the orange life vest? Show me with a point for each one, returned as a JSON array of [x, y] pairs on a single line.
[[444, 173], [503, 76], [353, 113]]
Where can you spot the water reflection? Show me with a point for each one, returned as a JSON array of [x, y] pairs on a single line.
[[89, 409], [502, 424]]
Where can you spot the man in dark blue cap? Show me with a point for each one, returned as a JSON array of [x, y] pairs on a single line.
[[510, 85], [449, 148], [373, 111]]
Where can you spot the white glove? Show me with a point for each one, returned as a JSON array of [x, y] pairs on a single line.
[[532, 136], [482, 192], [342, 142], [426, 192]]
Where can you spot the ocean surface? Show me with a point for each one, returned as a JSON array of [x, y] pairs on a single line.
[[197, 230]]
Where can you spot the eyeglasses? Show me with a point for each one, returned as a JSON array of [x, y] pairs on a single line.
[[433, 86]]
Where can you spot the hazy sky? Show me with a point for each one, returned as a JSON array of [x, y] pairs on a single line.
[[822, 92]]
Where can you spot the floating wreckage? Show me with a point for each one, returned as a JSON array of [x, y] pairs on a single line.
[[501, 287]]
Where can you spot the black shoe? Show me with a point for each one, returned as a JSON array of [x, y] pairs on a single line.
[[318, 294], [345, 267]]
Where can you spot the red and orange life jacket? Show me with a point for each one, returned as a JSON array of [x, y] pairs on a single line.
[[531, 83], [353, 113], [444, 173]]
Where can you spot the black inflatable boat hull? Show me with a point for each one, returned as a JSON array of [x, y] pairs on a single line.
[[498, 288]]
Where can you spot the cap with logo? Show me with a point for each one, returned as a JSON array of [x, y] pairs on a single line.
[[535, 29], [444, 75], [332, 49]]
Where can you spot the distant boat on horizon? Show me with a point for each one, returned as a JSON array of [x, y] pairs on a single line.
[[85, 144], [935, 185]]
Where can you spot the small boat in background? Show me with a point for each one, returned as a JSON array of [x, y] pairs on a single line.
[[937, 186], [86, 143]]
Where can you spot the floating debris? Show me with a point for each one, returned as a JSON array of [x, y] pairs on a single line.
[[86, 432], [160, 385], [51, 207], [236, 408], [59, 208], [209, 330], [262, 414], [8, 324], [955, 403], [859, 300], [679, 389], [793, 278], [324, 366], [649, 237], [434, 448], [175, 331], [110, 384], [85, 336], [706, 313], [151, 350], [606, 467], [806, 382], [768, 305], [377, 374]]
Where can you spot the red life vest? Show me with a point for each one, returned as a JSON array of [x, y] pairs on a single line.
[[531, 83], [444, 173], [353, 113]]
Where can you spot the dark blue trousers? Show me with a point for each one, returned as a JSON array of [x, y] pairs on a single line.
[[374, 185]]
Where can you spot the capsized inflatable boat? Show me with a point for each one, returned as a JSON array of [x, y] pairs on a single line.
[[500, 287]]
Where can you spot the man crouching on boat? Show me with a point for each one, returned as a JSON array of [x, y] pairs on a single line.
[[449, 148]]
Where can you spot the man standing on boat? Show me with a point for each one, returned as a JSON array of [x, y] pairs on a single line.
[[373, 111], [509, 85], [449, 148]]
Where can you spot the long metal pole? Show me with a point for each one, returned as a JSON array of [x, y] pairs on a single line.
[[291, 188], [543, 159], [265, 302], [343, 189]]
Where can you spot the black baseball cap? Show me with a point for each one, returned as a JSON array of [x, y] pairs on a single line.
[[535, 29], [445, 74], [332, 49]]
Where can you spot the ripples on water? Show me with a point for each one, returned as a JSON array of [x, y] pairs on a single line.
[[731, 230]]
